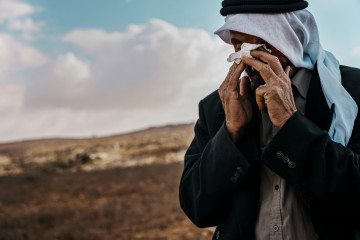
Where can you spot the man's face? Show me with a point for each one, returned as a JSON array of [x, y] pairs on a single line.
[[237, 39]]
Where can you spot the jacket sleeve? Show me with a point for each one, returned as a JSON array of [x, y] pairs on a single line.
[[328, 172], [213, 168]]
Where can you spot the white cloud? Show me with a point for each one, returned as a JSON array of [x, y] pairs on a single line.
[[147, 66], [16, 56], [69, 67], [15, 13], [12, 9], [355, 51], [11, 98], [27, 26], [150, 74], [63, 82], [16, 59]]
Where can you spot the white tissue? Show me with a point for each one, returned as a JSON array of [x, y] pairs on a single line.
[[245, 51]]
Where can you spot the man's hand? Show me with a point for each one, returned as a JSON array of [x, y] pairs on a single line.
[[237, 106], [276, 94]]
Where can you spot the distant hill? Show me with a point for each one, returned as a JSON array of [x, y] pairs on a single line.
[[153, 145]]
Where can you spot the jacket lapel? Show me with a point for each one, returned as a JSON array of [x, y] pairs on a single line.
[[317, 109]]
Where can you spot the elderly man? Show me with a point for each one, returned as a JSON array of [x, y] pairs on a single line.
[[277, 147]]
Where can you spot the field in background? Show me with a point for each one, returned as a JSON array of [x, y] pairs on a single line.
[[154, 145], [119, 187]]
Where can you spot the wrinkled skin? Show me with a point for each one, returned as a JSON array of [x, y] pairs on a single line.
[[272, 69]]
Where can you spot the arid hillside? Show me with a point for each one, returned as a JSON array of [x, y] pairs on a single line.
[[154, 145], [118, 187]]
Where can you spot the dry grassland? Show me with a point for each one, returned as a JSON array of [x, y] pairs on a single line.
[[129, 198]]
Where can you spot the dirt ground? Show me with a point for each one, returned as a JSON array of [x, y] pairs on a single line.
[[120, 203]]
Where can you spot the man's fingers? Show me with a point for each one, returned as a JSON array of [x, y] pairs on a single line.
[[225, 83], [264, 69], [233, 81], [272, 60], [231, 70], [287, 70], [275, 65], [260, 99], [245, 86]]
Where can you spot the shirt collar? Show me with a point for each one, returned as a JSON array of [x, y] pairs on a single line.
[[301, 81]]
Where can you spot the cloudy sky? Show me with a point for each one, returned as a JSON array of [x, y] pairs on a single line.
[[76, 68]]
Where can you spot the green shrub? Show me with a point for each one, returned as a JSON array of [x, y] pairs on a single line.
[[61, 164], [57, 166], [83, 158]]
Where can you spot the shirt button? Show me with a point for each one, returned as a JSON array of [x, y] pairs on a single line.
[[277, 187], [280, 154], [286, 159], [275, 228], [291, 164]]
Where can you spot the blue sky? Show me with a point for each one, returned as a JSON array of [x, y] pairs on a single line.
[[63, 16], [74, 68], [336, 21]]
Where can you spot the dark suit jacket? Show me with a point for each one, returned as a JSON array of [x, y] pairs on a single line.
[[220, 182]]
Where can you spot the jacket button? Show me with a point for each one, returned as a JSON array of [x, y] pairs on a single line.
[[275, 228], [234, 179], [238, 174], [279, 154], [291, 164], [217, 235], [286, 159], [240, 169]]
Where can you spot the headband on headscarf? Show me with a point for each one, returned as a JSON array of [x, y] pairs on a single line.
[[295, 34]]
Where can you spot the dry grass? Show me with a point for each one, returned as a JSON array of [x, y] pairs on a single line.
[[53, 189], [122, 203]]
